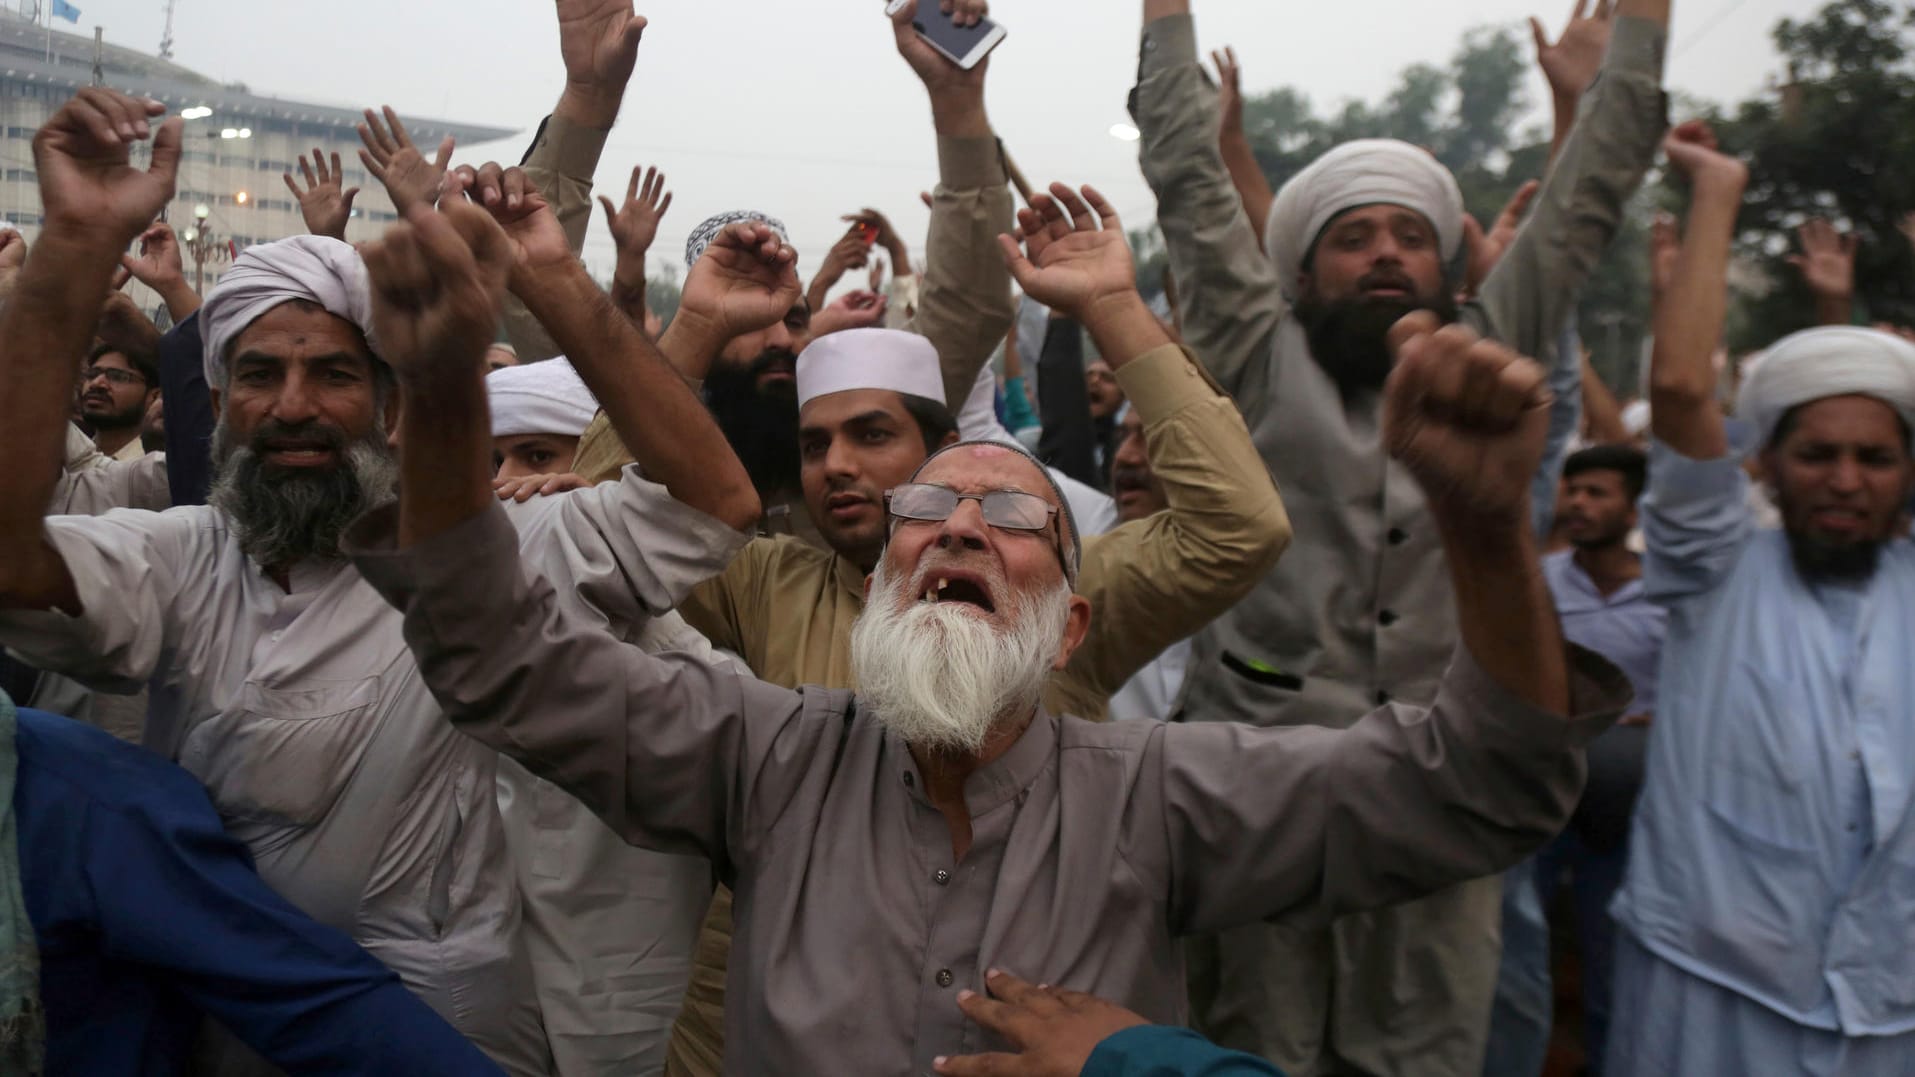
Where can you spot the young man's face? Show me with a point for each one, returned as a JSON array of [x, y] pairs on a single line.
[[1842, 479], [114, 394], [1596, 510], [852, 447], [524, 455]]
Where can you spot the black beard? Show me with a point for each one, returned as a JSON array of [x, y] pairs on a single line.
[[762, 426], [283, 515], [1826, 562], [1349, 338]]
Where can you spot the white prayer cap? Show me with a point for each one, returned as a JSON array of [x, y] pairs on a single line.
[[318, 269], [869, 359], [1635, 417], [1828, 361], [546, 397], [1366, 172]]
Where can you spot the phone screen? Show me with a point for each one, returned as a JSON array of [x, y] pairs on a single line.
[[957, 41]]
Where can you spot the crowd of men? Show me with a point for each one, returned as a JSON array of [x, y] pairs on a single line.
[[985, 672]]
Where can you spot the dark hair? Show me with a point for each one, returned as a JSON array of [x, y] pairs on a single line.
[[145, 364], [1626, 459], [935, 421]]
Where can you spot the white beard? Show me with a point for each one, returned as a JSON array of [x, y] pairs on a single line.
[[941, 677]]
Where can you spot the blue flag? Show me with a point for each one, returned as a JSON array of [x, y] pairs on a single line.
[[64, 10]]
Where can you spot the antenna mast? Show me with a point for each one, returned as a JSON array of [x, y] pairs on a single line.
[[166, 36]]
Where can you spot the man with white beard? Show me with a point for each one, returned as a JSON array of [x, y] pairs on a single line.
[[278, 678], [888, 847]]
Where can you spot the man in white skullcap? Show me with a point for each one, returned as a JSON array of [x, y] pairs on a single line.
[[277, 676], [872, 409], [1765, 918], [539, 411], [1357, 613]]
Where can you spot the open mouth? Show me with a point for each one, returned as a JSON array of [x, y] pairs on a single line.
[[940, 589], [297, 453]]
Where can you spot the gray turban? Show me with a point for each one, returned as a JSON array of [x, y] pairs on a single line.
[[1367, 172], [317, 269], [702, 236], [1828, 361]]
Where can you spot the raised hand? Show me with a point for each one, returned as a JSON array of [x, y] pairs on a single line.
[[1072, 264], [1053, 1030], [635, 224], [1468, 417], [87, 185], [323, 203], [746, 281], [1827, 261], [854, 310], [1665, 244], [1486, 248], [534, 238], [394, 161], [598, 41], [527, 487], [13, 255], [936, 72], [1230, 89], [1571, 62], [438, 281], [1696, 156], [159, 264], [876, 278], [888, 237]]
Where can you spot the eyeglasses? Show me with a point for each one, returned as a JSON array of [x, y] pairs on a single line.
[[114, 375], [1006, 510]]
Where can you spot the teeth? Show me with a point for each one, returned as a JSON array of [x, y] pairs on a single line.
[[942, 584]]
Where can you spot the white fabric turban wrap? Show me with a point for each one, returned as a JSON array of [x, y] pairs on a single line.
[[317, 269], [540, 398], [1828, 361], [1366, 172], [869, 359]]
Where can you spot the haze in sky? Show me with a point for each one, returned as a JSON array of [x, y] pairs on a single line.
[[805, 111]]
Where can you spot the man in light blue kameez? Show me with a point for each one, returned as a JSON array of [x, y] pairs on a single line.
[[1768, 918]]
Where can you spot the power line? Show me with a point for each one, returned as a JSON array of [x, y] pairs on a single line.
[[1708, 25]]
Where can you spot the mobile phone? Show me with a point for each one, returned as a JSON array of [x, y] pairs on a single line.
[[965, 46], [867, 233]]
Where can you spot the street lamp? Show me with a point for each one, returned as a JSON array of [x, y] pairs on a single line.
[[199, 241]]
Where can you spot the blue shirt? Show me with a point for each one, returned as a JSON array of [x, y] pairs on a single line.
[[1624, 627], [148, 915], [1165, 1051], [1773, 852]]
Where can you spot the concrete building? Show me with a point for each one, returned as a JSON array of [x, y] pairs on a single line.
[[234, 157]]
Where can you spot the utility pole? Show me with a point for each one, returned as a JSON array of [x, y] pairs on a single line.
[[166, 36], [99, 56]]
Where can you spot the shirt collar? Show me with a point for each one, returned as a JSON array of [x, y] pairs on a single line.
[[850, 576], [1003, 779]]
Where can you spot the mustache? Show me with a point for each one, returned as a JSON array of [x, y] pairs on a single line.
[[1130, 477], [312, 430]]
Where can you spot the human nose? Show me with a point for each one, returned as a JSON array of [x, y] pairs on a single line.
[[1132, 451], [964, 528], [294, 404]]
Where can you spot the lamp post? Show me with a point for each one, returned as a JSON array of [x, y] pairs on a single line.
[[199, 242]]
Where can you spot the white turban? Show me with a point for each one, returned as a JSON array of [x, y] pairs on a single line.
[[318, 269], [1367, 172], [546, 397], [869, 359], [1828, 361]]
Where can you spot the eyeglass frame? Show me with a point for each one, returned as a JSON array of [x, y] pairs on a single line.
[[1051, 513], [114, 375]]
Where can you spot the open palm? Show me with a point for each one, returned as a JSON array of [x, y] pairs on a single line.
[[1071, 258]]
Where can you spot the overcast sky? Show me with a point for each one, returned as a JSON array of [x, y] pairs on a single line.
[[773, 105]]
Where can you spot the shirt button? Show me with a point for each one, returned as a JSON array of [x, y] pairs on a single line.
[[945, 978], [909, 780], [1386, 618], [1398, 536], [941, 877]]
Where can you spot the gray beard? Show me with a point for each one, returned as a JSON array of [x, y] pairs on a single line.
[[280, 516], [941, 678]]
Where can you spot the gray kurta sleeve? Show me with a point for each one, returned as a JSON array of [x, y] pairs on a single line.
[[1308, 823], [1528, 297], [675, 755], [1232, 300]]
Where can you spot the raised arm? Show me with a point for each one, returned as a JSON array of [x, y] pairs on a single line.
[[1232, 299], [634, 226], [1689, 316], [598, 43], [1827, 265], [658, 418], [1253, 187], [94, 203], [1154, 581], [1312, 822], [1529, 297], [1571, 61], [964, 302]]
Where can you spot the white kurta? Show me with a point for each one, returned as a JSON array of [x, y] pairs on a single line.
[[304, 715]]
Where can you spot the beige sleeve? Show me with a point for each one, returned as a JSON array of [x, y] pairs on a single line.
[[1155, 581], [964, 303], [560, 163]]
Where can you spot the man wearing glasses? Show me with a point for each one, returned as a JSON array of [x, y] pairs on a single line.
[[889, 847], [116, 390]]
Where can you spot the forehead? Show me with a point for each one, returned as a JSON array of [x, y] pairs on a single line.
[[543, 441], [833, 410], [980, 468], [1377, 216], [1596, 476], [1848, 420], [113, 359], [291, 330]]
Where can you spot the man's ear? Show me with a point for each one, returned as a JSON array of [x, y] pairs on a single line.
[[393, 407], [1076, 627], [950, 439], [215, 395]]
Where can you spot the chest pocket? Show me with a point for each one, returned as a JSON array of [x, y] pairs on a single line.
[[1754, 785], [283, 756]]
